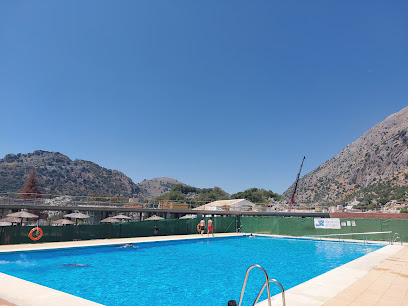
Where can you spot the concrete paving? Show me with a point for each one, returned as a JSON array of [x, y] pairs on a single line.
[[321, 289], [385, 284]]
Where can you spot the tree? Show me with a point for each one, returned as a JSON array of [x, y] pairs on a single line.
[[212, 194], [181, 192], [172, 196], [31, 189], [256, 195], [184, 189]]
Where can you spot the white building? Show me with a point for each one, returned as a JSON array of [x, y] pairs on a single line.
[[350, 205], [233, 205]]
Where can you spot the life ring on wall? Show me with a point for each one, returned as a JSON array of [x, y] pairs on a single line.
[[198, 227], [40, 234]]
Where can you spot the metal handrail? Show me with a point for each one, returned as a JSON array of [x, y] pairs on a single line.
[[241, 230], [263, 288], [266, 284], [395, 237], [351, 234], [245, 281]]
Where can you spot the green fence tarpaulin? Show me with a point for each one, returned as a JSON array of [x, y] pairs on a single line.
[[290, 226], [295, 226], [19, 234]]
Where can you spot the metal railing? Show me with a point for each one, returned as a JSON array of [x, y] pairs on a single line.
[[241, 229], [32, 199], [266, 284], [13, 198], [263, 288], [396, 237], [353, 234]]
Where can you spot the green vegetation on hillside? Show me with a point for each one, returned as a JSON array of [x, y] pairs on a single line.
[[181, 192], [378, 194], [256, 195]]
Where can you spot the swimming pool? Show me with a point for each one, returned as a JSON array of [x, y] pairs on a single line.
[[184, 272]]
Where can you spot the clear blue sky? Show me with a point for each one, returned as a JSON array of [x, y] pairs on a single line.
[[212, 93]]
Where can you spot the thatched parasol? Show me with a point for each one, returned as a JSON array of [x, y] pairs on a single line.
[[154, 217], [23, 214], [110, 220], [2, 225], [11, 220], [77, 215], [122, 217], [62, 222]]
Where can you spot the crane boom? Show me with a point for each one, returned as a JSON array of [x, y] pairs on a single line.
[[296, 183]]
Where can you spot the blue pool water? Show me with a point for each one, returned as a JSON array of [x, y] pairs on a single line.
[[187, 272]]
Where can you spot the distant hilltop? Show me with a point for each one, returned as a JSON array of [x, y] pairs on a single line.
[[157, 186], [58, 174], [374, 168]]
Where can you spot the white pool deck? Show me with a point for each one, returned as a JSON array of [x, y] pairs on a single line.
[[379, 278]]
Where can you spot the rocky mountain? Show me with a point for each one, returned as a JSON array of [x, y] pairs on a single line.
[[374, 168], [156, 186], [58, 174]]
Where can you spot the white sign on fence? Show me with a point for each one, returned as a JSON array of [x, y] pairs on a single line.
[[333, 223]]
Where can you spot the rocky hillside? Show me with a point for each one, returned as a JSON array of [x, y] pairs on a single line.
[[156, 186], [374, 167], [58, 174]]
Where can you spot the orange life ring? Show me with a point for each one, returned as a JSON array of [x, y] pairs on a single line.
[[198, 227], [40, 234]]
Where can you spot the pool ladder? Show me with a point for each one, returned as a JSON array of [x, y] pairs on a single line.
[[266, 284], [241, 230], [396, 237]]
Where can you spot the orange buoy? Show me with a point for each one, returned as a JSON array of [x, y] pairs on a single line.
[[40, 234]]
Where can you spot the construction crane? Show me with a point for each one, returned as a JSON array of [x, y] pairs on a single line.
[[292, 201]]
